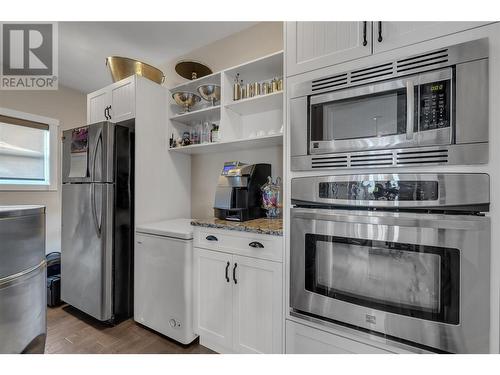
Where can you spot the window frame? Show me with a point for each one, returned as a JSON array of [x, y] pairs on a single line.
[[54, 152]]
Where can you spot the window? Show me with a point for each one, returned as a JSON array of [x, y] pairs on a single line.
[[27, 151]]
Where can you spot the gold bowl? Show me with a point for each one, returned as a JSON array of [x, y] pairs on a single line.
[[123, 67]]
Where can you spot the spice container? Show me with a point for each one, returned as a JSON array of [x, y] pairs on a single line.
[[237, 87], [280, 84], [256, 88], [264, 88]]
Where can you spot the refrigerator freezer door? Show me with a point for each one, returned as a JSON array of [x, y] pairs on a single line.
[[87, 247], [88, 153]]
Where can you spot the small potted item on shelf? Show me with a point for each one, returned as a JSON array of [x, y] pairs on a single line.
[[214, 133], [186, 141]]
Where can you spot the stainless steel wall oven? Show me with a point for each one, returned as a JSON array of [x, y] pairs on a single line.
[[405, 256], [426, 109]]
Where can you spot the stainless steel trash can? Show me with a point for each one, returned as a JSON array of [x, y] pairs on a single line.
[[23, 306]]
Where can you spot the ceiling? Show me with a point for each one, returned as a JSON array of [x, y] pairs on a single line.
[[84, 46]]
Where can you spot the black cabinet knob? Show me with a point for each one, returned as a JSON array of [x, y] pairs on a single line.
[[211, 238]]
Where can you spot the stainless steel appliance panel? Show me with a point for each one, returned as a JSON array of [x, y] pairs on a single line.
[[87, 243], [472, 87], [470, 235], [100, 166], [454, 190], [22, 240], [298, 126], [23, 307], [446, 101]]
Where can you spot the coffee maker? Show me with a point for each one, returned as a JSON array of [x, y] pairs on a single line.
[[238, 196]]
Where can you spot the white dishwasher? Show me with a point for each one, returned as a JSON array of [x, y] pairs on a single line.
[[163, 271]]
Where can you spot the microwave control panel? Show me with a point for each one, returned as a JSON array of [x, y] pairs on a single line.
[[435, 105]]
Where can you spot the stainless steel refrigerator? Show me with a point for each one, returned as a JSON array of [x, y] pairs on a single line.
[[97, 219]]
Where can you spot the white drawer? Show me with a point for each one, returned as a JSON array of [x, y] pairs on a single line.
[[301, 339], [254, 245]]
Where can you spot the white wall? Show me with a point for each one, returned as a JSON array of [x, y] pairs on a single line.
[[254, 42], [205, 170], [69, 107]]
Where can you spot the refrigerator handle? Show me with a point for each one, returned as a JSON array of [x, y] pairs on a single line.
[[94, 210], [99, 140]]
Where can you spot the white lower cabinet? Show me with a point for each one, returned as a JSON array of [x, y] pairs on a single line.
[[302, 339], [257, 306], [213, 298], [238, 302]]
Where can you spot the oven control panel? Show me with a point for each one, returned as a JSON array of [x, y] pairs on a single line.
[[387, 190]]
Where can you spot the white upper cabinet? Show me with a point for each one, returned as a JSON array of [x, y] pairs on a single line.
[[314, 45], [122, 100], [97, 102], [391, 35], [114, 103]]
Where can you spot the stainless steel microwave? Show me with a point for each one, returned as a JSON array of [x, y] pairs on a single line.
[[426, 109]]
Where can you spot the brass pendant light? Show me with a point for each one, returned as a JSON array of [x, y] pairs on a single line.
[[192, 69]]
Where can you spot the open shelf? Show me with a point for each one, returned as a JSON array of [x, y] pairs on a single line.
[[191, 86], [240, 144], [266, 67], [256, 104], [209, 114]]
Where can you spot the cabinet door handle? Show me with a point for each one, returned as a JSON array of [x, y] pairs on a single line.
[[256, 245], [227, 272], [234, 273], [106, 113], [380, 31], [109, 113], [211, 238], [365, 42]]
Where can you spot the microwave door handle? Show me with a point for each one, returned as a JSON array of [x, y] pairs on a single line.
[[410, 109]]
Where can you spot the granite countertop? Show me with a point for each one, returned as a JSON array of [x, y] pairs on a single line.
[[273, 227]]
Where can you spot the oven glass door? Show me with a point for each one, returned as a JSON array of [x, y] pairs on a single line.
[[413, 280]]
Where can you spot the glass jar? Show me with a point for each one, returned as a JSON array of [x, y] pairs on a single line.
[[271, 197]]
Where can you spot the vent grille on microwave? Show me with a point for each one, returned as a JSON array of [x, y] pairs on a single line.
[[410, 65], [382, 158], [329, 162], [379, 71], [408, 157], [329, 82], [422, 61], [372, 160]]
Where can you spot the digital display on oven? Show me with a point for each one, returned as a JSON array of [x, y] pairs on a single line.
[[390, 190]]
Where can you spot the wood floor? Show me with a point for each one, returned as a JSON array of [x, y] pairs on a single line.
[[72, 332]]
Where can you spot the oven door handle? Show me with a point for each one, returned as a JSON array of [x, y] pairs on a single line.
[[437, 221], [410, 109]]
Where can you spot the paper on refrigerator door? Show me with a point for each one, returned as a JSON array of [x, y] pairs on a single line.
[[79, 152]]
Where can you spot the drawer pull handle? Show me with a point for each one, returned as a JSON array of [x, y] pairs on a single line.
[[211, 238], [234, 273], [256, 245], [227, 272]]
